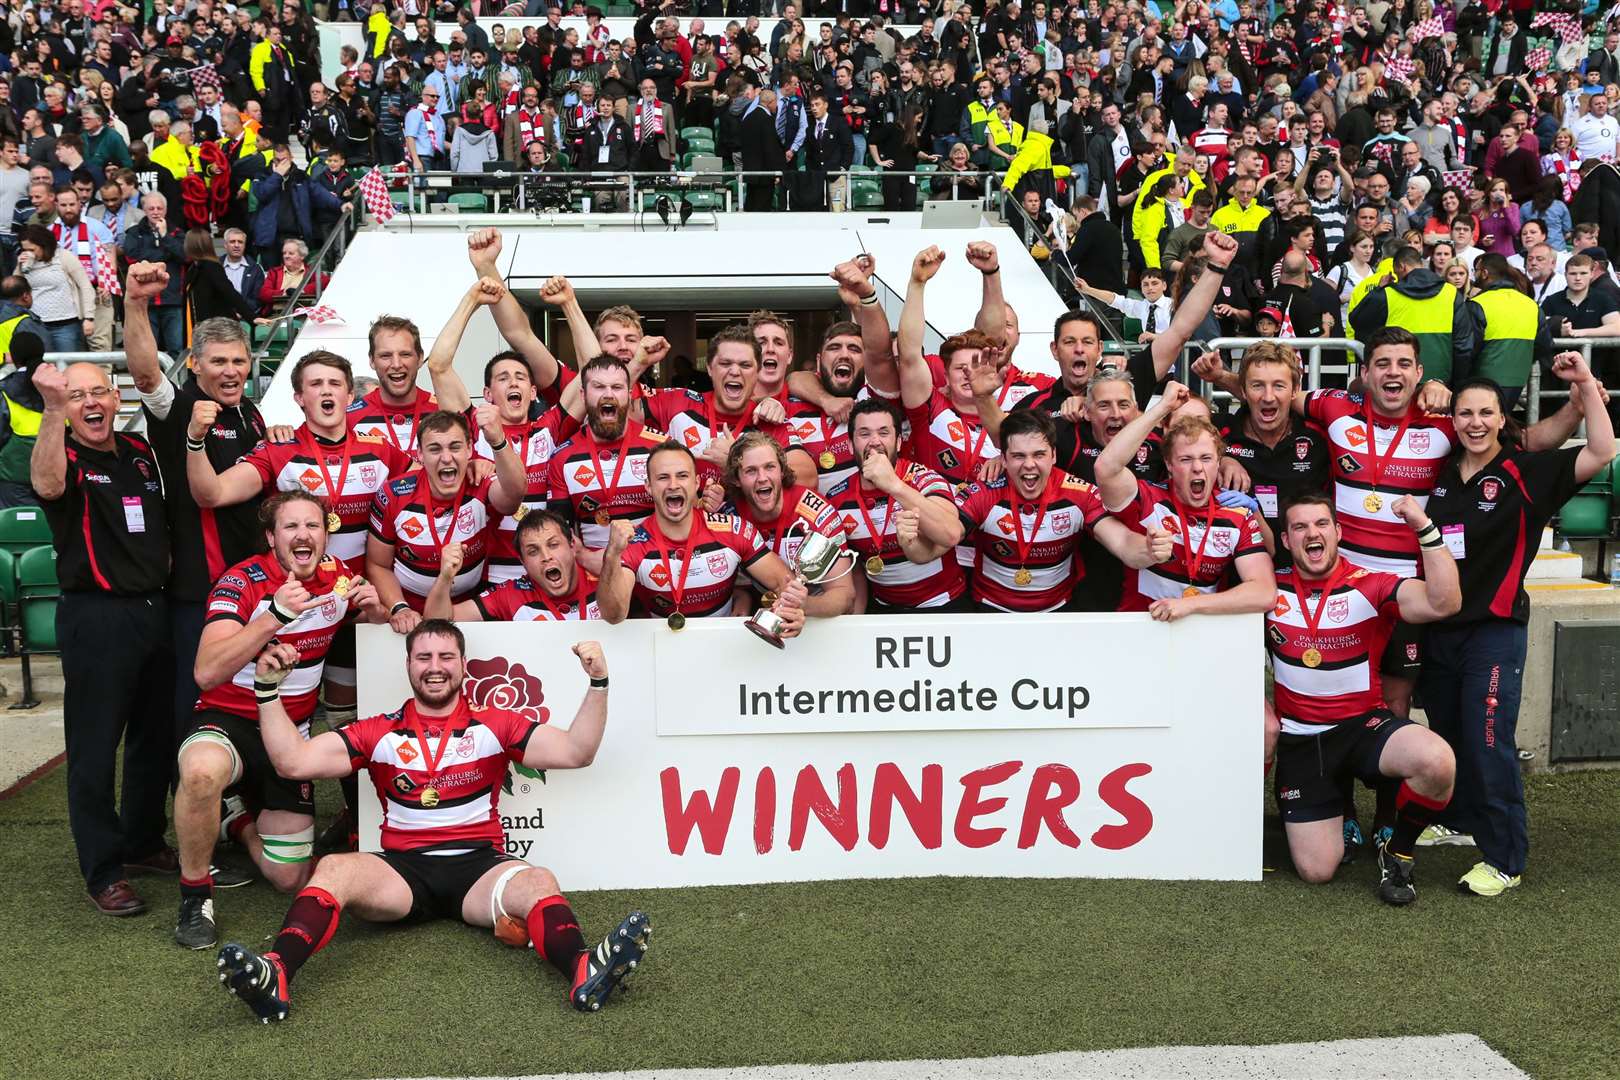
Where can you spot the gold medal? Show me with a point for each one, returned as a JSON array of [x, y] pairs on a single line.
[[603, 517], [430, 796], [1373, 503], [1191, 590], [1312, 658], [874, 566], [1023, 577], [333, 522], [827, 459], [517, 515], [340, 587], [676, 621]]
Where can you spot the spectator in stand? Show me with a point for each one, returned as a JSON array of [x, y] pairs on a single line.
[[208, 292], [159, 240], [64, 299], [290, 283], [245, 275], [1547, 207]]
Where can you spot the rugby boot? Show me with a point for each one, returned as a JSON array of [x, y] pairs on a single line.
[[259, 981], [1395, 885], [1381, 836], [1353, 842], [195, 929], [1440, 836], [603, 969], [1483, 879]]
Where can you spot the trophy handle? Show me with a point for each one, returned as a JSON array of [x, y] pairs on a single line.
[[844, 573]]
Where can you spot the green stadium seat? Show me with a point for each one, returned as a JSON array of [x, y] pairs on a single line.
[[23, 527], [867, 199], [469, 202], [37, 595], [926, 166], [697, 133], [8, 603], [707, 200], [1585, 515]]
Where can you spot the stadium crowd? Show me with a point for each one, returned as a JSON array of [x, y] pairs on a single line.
[[212, 567]]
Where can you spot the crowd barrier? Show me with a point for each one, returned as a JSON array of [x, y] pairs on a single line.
[[878, 746]]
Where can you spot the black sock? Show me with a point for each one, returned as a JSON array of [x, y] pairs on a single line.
[[1413, 813], [350, 786], [309, 925], [1385, 814], [202, 887], [555, 933]]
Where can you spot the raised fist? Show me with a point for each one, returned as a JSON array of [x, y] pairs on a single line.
[[1208, 366], [484, 247], [591, 658], [489, 422], [488, 291], [557, 291], [450, 560], [203, 415], [1408, 510], [1571, 367], [1161, 544], [145, 281], [926, 264], [981, 255], [51, 383], [878, 471], [769, 411], [1219, 248], [907, 528], [1175, 395], [619, 533]]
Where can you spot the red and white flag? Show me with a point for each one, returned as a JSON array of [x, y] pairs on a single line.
[[320, 315], [1457, 178], [106, 271], [1428, 28], [374, 190], [1399, 68], [1568, 26], [1538, 59]]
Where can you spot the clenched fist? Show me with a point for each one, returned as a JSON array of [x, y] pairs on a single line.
[[203, 415]]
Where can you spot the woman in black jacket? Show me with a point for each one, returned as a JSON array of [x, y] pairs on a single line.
[[209, 293]]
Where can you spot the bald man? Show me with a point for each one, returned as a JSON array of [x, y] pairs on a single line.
[[102, 494]]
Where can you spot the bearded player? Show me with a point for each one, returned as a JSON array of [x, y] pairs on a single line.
[[784, 513], [554, 586], [441, 854], [1326, 629], [294, 599]]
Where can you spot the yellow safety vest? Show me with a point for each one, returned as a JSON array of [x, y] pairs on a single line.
[[1431, 321], [7, 329], [1232, 218], [1363, 287], [1512, 320]]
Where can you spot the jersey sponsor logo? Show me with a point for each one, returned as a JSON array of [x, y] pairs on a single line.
[[222, 432], [1276, 636], [584, 475], [1281, 607], [1338, 609], [1142, 454], [1005, 524], [412, 528], [368, 473], [1302, 448], [1170, 524], [406, 752], [1002, 549], [691, 438], [718, 563], [1356, 435], [404, 784], [804, 430], [1418, 441], [659, 576], [255, 573], [1490, 488], [222, 605], [1348, 464], [947, 458], [310, 479], [98, 478]]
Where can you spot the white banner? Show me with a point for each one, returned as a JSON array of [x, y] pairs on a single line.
[[879, 746]]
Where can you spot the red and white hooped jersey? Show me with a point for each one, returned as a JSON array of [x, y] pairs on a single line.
[[1354, 625], [400, 516], [1016, 383], [722, 546], [950, 443], [396, 424], [987, 510], [691, 418], [521, 600], [466, 781], [1377, 539], [241, 596], [1233, 534], [535, 441], [578, 491], [799, 505], [292, 466], [813, 432], [902, 583]]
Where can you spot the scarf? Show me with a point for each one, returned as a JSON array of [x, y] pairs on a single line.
[[584, 116], [526, 121], [653, 124], [80, 243], [428, 129]]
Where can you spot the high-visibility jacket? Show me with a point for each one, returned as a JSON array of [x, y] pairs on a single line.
[[1431, 320], [1512, 324], [1363, 287], [15, 454], [1233, 219], [1148, 225], [1194, 182], [1035, 155]]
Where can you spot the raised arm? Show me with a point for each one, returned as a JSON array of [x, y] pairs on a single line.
[[1114, 477], [551, 747], [448, 388], [1136, 550], [226, 647], [1553, 431], [47, 462], [857, 290], [324, 757], [937, 519], [145, 281], [614, 584], [1220, 250], [1438, 594], [1589, 396], [438, 604], [916, 383], [511, 480], [991, 321], [916, 547], [986, 382], [483, 248], [237, 484]]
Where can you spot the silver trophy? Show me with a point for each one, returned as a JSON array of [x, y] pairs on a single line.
[[814, 563]]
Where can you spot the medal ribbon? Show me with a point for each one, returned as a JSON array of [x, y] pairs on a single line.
[[880, 540], [1340, 572], [416, 417], [431, 761], [582, 594], [1375, 464], [608, 487], [315, 450], [1193, 560], [433, 517], [976, 453], [677, 590], [1035, 526]]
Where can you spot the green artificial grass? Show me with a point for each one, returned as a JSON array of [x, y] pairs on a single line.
[[841, 971]]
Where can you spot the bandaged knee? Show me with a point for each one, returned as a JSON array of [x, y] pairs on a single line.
[[290, 849], [214, 737], [508, 929]]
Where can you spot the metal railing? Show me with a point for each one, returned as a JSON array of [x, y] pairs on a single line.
[[337, 244], [732, 184], [1534, 392], [1311, 347], [129, 398]]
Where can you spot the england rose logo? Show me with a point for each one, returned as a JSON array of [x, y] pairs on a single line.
[[495, 684]]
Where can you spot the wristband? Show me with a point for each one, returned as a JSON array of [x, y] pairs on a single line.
[[1217, 266], [869, 301], [988, 273], [1429, 536], [497, 449], [195, 445], [266, 692], [599, 684], [397, 608], [283, 616]]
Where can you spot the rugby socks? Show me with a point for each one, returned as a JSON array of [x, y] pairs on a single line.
[[310, 924], [1387, 806], [555, 932], [201, 887], [1413, 814], [350, 786]]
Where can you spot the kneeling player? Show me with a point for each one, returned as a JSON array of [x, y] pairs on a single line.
[[1326, 630], [441, 833], [554, 586], [295, 599]]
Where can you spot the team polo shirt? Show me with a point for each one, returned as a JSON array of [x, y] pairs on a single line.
[[1297, 465], [593, 484], [1204, 546], [242, 595], [521, 600], [1493, 522], [1374, 537], [357, 468], [802, 511], [466, 780], [534, 441], [109, 525], [1329, 675], [1040, 538], [1146, 464], [405, 515], [693, 419], [871, 521], [694, 576], [951, 443]]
